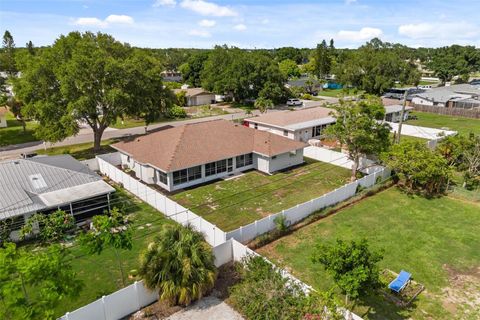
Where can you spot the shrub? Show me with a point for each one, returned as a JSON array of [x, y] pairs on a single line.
[[281, 223], [177, 112], [263, 293]]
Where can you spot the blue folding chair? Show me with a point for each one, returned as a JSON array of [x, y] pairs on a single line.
[[400, 282]]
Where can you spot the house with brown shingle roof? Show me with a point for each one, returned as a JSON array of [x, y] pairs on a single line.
[[300, 125], [191, 154]]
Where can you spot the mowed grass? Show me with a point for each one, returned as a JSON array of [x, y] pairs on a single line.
[[425, 237], [14, 134], [101, 274], [81, 151], [254, 195], [433, 120]]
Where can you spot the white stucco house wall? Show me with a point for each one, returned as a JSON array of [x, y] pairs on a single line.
[[192, 154], [393, 113], [197, 96]]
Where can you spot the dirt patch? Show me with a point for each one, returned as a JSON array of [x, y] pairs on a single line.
[[462, 296]]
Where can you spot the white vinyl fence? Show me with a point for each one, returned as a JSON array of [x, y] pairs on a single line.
[[107, 166], [116, 305], [293, 215]]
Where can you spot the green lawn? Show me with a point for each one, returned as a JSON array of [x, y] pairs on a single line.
[[240, 201], [100, 273], [433, 120], [337, 93], [79, 151], [436, 240], [14, 134]]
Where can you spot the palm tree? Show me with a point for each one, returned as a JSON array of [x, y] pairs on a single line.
[[179, 264]]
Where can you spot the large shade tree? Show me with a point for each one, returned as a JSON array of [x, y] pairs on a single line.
[[359, 129], [179, 264], [90, 78]]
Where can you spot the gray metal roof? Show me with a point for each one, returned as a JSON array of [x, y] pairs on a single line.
[[396, 108], [23, 181], [444, 94]]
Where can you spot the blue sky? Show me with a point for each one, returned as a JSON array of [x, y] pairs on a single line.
[[246, 23]]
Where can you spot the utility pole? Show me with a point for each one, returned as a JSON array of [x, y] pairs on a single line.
[[399, 133]]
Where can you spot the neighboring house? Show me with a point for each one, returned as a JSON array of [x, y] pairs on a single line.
[[309, 84], [191, 154], [454, 96], [3, 117], [197, 96], [300, 125], [171, 76], [393, 113], [45, 184]]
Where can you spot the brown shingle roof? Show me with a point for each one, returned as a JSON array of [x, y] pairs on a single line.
[[285, 118], [198, 143]]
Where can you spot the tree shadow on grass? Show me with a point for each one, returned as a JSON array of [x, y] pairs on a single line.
[[378, 307]]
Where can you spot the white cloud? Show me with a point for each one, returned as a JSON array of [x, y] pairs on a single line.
[[207, 23], [122, 19], [95, 22], [363, 34], [200, 33], [240, 27], [208, 8], [439, 30], [90, 22], [165, 3]]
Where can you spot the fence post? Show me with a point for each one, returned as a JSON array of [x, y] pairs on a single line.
[[256, 228], [66, 315], [241, 234], [135, 284], [104, 309]]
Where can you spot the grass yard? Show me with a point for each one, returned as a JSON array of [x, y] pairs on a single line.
[[14, 134], [252, 196], [433, 120], [436, 240], [81, 151], [100, 273], [338, 93]]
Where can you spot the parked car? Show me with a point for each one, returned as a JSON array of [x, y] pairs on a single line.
[[294, 102]]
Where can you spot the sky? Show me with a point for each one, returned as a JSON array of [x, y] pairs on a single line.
[[246, 23]]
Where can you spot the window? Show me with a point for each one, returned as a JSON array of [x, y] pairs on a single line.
[[244, 160], [194, 173], [285, 133], [180, 176], [210, 169], [186, 175], [293, 153], [221, 166], [274, 157], [316, 131], [162, 177], [256, 126]]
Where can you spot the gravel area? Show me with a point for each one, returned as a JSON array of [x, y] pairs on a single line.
[[209, 308]]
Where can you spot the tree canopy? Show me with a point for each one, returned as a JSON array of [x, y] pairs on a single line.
[[448, 62], [358, 128], [352, 264], [375, 67], [90, 78], [419, 168], [289, 68], [239, 73]]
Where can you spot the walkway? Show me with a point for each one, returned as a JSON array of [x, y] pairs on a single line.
[[209, 308]]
